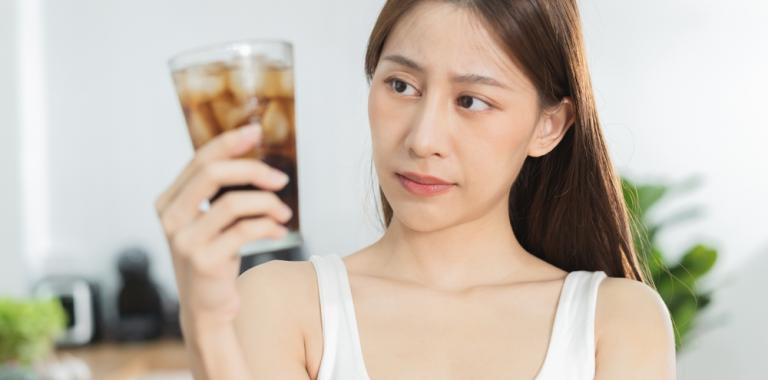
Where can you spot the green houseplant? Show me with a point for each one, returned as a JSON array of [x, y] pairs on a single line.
[[27, 332], [675, 280]]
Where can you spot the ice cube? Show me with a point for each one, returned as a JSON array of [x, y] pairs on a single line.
[[275, 124], [278, 82], [246, 77], [200, 129], [200, 83], [232, 114], [287, 83]]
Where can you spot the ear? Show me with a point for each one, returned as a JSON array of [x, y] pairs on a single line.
[[551, 127]]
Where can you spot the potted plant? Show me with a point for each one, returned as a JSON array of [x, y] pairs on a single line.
[[28, 329], [675, 280]]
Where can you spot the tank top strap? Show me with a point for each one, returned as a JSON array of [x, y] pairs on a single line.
[[342, 354], [572, 344], [331, 307]]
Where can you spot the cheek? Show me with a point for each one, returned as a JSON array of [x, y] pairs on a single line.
[[495, 156], [375, 110], [377, 103], [512, 131], [384, 120], [385, 113]]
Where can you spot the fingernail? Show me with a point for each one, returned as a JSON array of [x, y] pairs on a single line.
[[250, 131]]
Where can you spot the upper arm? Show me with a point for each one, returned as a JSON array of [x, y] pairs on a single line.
[[269, 322], [633, 331]]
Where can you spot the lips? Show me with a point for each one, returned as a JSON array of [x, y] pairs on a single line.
[[425, 179], [424, 185]]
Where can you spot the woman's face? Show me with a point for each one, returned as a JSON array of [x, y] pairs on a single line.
[[446, 101]]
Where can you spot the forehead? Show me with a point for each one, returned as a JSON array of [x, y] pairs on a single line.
[[444, 37]]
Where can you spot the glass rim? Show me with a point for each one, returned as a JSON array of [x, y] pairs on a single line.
[[174, 61]]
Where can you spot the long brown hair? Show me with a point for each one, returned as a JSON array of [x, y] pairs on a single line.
[[565, 207]]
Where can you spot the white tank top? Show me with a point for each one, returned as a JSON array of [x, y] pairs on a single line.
[[570, 354]]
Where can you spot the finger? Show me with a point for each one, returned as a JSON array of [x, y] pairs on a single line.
[[231, 143], [244, 231], [209, 179], [229, 210]]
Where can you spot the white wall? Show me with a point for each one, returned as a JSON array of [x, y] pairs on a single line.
[[680, 87], [12, 266]]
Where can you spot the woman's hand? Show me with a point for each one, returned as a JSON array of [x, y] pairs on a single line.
[[205, 244]]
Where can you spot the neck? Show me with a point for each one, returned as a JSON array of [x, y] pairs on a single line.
[[476, 252]]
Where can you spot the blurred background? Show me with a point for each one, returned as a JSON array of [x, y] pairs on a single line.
[[91, 133]]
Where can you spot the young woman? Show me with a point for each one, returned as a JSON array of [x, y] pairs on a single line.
[[507, 252]]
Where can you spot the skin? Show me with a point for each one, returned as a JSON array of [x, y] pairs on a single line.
[[447, 292]]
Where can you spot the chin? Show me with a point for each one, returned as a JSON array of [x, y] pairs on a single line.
[[420, 217]]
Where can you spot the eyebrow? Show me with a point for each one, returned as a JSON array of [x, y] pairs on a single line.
[[463, 78]]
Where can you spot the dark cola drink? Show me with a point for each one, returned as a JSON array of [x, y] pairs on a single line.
[[226, 87]]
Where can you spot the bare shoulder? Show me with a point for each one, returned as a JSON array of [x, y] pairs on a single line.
[[288, 285], [622, 300], [275, 305], [633, 331], [293, 277]]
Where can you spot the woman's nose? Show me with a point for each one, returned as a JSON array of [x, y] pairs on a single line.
[[430, 131]]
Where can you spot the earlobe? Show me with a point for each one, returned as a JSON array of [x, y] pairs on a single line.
[[552, 128]]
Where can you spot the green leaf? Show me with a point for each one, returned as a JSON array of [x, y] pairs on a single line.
[[699, 259], [683, 275], [682, 317], [665, 285], [649, 195], [656, 262], [704, 299]]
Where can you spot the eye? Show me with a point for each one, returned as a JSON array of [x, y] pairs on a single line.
[[469, 102], [401, 87]]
